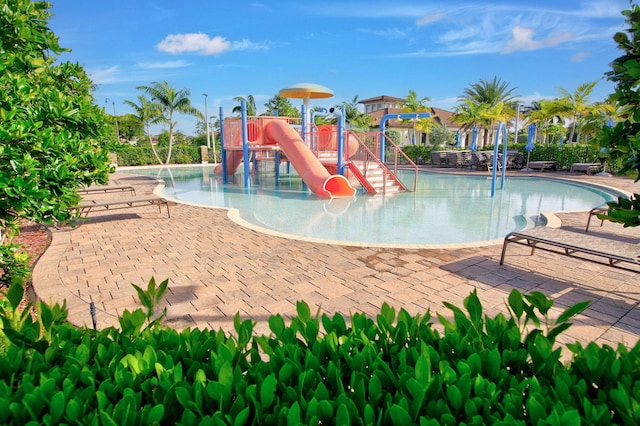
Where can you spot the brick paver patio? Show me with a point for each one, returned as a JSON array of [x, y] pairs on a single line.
[[216, 268]]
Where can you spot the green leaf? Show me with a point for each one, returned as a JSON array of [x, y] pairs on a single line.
[[268, 390], [156, 414], [304, 313], [342, 416], [573, 311], [399, 416], [454, 396], [516, 303], [474, 307]]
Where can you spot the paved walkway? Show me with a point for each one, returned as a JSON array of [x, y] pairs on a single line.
[[217, 268]]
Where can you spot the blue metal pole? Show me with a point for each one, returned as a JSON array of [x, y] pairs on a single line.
[[341, 125], [494, 164], [504, 153], [223, 153], [245, 144], [387, 117], [303, 110]]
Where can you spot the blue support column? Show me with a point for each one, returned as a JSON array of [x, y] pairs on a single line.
[[223, 153], [245, 145]]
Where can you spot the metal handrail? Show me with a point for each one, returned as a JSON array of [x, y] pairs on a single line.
[[413, 165], [371, 155]]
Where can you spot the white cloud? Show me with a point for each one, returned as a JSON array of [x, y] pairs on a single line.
[[109, 75], [389, 33], [429, 19], [580, 56], [163, 65], [522, 39], [194, 42]]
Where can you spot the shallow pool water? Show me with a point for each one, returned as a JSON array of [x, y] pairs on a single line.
[[445, 209]]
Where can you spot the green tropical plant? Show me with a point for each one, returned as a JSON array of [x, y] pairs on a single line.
[[354, 117], [486, 103], [283, 106], [413, 104], [148, 113], [575, 105], [170, 102], [51, 131], [622, 141], [250, 103]]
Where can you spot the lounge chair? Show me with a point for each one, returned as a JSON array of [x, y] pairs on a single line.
[[618, 254], [586, 167], [107, 189], [552, 165], [87, 206], [595, 212]]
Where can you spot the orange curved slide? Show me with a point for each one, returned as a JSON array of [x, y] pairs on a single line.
[[311, 170], [234, 158]]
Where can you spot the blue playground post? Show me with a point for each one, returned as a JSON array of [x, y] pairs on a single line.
[[503, 128], [387, 117], [245, 145], [223, 154], [341, 125]]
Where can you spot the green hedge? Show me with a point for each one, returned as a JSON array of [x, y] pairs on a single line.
[[131, 155], [394, 369]]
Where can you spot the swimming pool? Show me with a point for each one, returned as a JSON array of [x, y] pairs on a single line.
[[445, 210]]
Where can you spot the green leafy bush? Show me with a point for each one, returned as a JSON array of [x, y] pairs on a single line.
[[130, 155], [318, 369]]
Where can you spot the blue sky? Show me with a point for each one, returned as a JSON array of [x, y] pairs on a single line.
[[365, 48]]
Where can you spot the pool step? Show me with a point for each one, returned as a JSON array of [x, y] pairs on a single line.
[[378, 180]]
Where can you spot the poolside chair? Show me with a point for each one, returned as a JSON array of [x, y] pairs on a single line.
[[87, 206], [595, 212], [478, 160], [588, 168], [105, 189], [617, 254]]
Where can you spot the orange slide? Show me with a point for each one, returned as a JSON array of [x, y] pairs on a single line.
[[234, 158], [311, 170]]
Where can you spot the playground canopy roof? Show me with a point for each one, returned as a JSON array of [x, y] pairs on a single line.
[[306, 91]]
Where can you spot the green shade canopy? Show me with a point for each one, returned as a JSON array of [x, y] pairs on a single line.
[[306, 91]]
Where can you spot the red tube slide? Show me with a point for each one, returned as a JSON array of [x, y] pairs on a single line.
[[311, 170], [234, 158]]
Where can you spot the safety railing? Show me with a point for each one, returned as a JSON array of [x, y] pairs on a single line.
[[372, 140]]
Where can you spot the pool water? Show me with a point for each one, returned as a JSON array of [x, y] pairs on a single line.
[[444, 210]]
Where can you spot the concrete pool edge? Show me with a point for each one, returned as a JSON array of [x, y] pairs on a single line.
[[551, 218]]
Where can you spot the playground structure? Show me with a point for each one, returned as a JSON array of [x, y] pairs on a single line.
[[331, 161]]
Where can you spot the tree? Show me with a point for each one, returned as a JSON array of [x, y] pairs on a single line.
[[50, 127], [574, 105], [170, 102], [283, 106], [250, 102], [623, 139], [130, 127], [486, 96], [413, 104], [148, 113], [354, 117]]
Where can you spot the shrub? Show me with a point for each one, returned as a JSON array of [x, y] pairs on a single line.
[[392, 369]]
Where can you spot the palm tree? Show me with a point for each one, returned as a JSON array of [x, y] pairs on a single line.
[[413, 104], [251, 106], [576, 104], [470, 115], [541, 114], [354, 117], [170, 101], [491, 94], [148, 113]]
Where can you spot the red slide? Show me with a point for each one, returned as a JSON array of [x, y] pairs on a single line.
[[234, 158], [311, 170]]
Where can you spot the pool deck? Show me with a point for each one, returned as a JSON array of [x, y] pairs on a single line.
[[217, 268]]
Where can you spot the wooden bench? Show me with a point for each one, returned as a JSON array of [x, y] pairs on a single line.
[[87, 206], [552, 165], [105, 189], [586, 167], [617, 254]]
